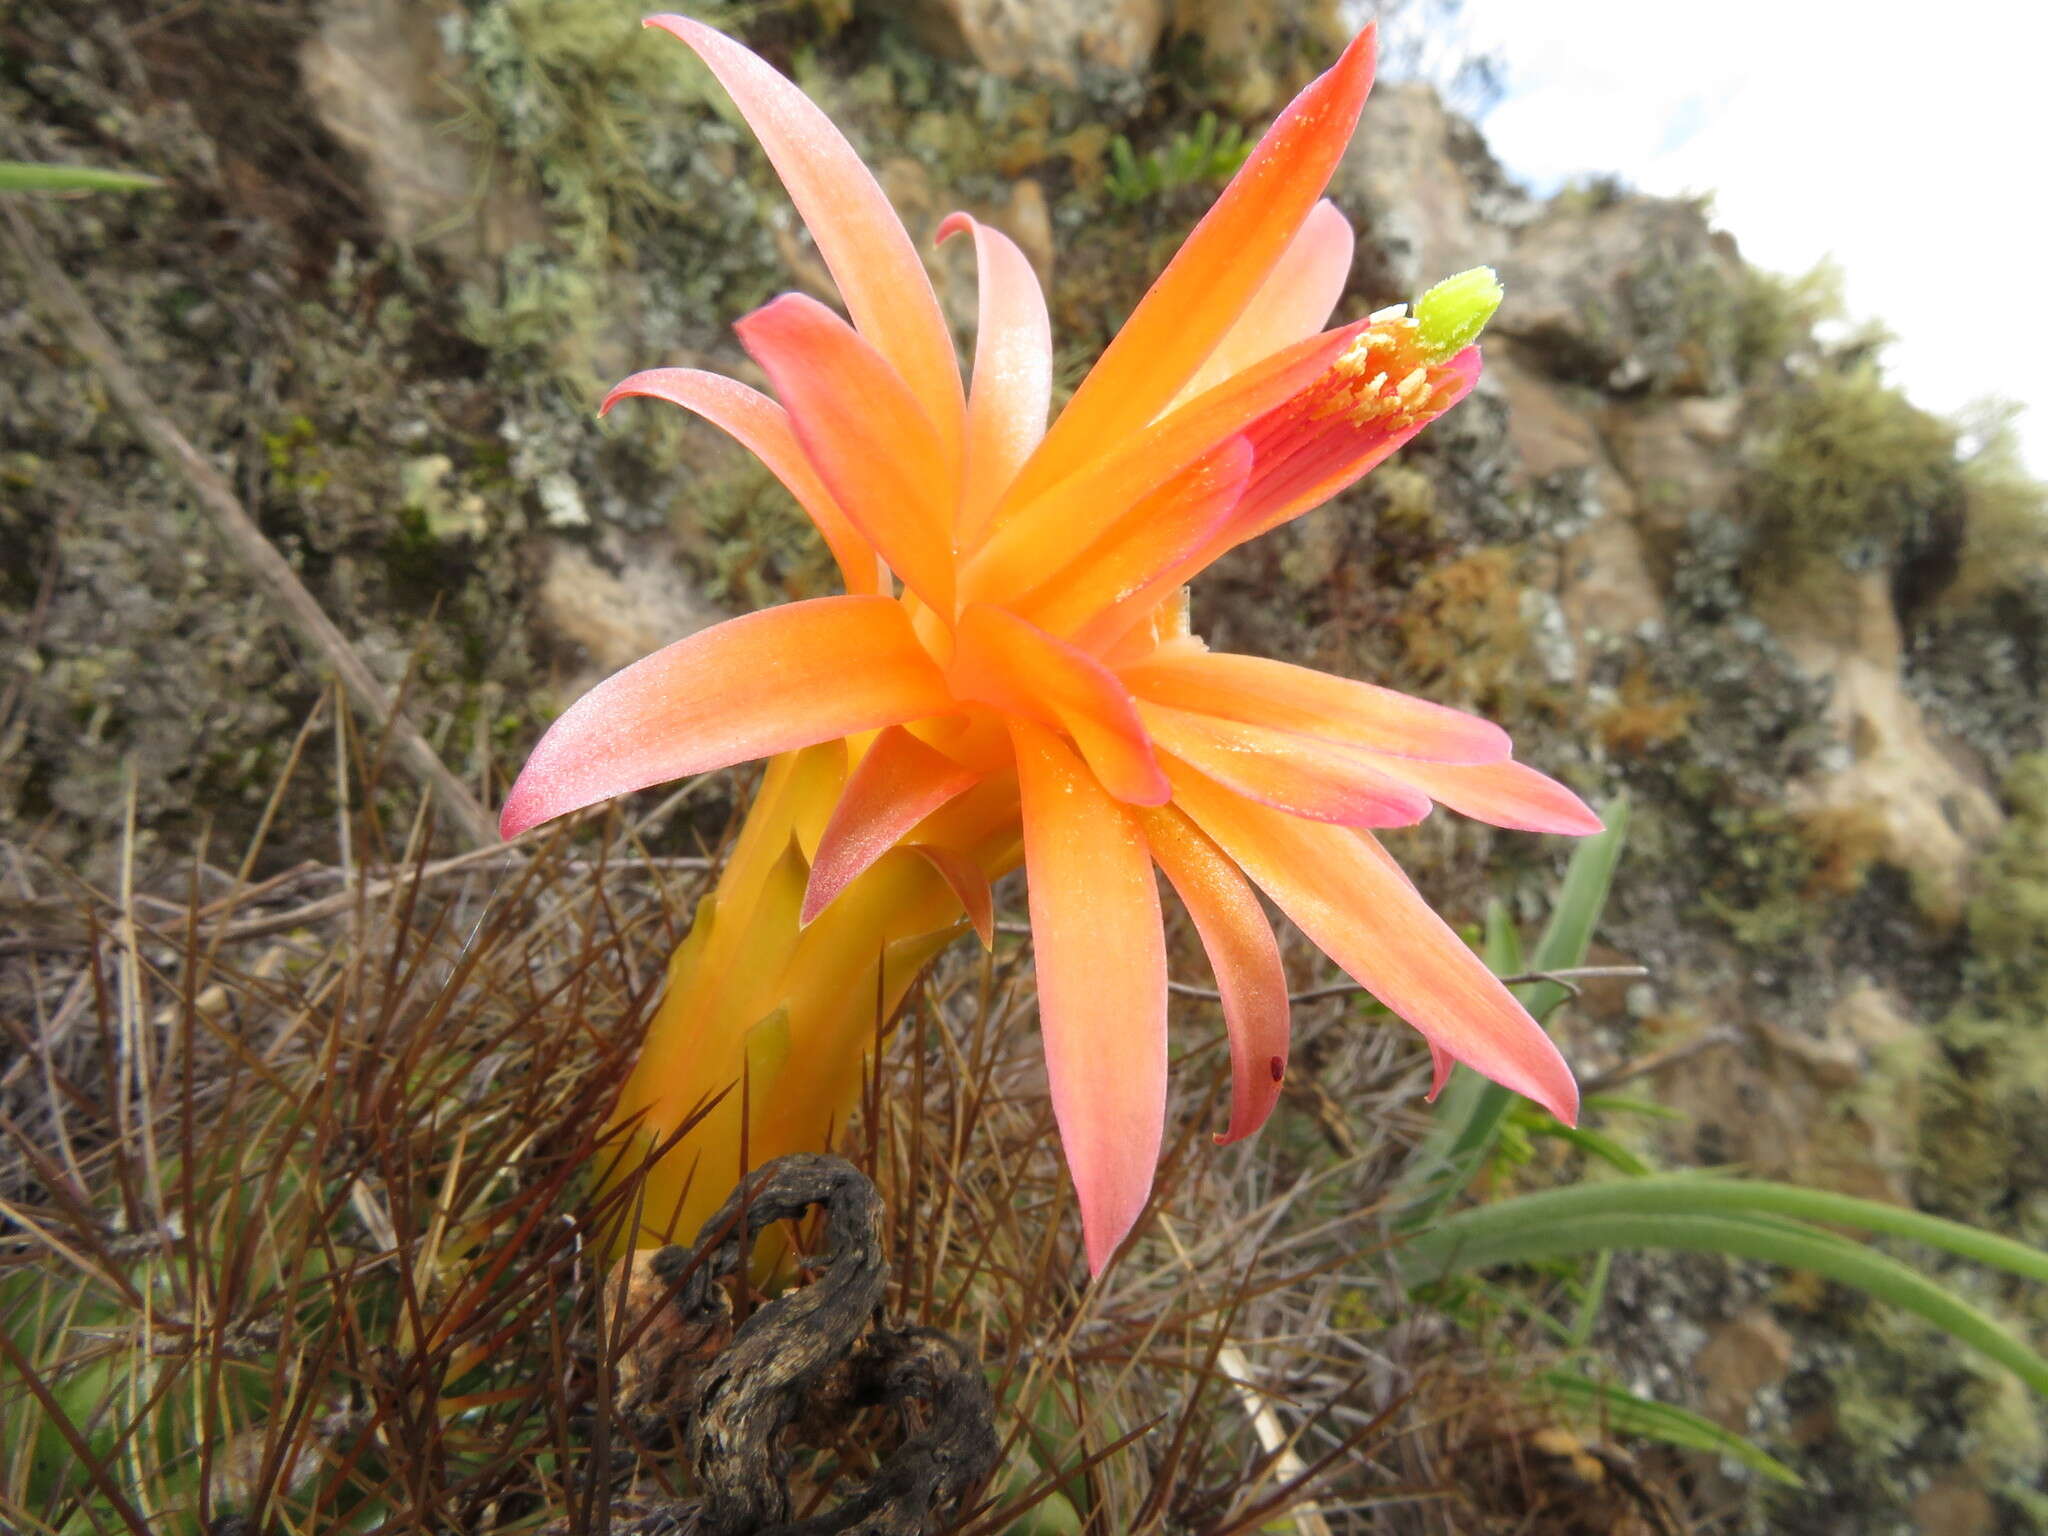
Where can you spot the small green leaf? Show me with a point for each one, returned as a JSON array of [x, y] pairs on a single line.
[[1594, 1144]]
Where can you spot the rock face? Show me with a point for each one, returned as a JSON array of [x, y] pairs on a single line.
[[1047, 39], [1930, 809], [380, 80], [1425, 185]]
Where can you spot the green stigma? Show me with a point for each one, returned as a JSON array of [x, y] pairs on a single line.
[[1453, 313]]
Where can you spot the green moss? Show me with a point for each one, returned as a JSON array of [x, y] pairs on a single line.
[[756, 547], [1746, 326], [1851, 468], [1904, 1400], [1985, 1136]]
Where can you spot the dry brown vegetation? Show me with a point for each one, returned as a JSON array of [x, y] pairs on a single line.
[[303, 1226]]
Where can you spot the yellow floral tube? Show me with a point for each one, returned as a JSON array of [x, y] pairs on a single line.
[[778, 1019]]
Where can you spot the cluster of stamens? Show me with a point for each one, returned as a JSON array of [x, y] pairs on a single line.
[[1382, 378]]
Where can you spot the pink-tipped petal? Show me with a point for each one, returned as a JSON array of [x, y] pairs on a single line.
[[1301, 775], [863, 243], [766, 682], [762, 427], [1284, 487], [1245, 957], [1208, 284], [1440, 1064], [898, 783], [872, 443], [1299, 699], [1014, 666], [1342, 890], [1507, 794], [1101, 960], [968, 882], [1035, 536], [1296, 300], [1012, 389]]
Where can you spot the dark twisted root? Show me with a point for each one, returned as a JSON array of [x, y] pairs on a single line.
[[812, 1357]]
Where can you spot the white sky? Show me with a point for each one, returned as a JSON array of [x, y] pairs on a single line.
[[1908, 141]]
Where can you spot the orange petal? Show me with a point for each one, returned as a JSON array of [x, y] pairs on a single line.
[[1212, 279], [871, 442], [1342, 890], [1296, 300], [1101, 984], [1012, 373], [863, 243], [1117, 581], [1507, 794], [968, 883], [895, 786], [765, 682], [1036, 536], [1003, 661], [762, 427], [1301, 775], [1257, 691], [1245, 957]]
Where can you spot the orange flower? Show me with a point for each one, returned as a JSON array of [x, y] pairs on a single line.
[[1036, 663]]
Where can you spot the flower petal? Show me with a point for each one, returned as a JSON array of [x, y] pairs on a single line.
[[1015, 666], [1012, 389], [1117, 580], [1035, 537], [898, 783], [1301, 775], [1101, 984], [863, 243], [762, 427], [765, 682], [968, 882], [1290, 698], [1353, 902], [1296, 300], [1209, 283], [1244, 955], [1505, 794], [871, 442]]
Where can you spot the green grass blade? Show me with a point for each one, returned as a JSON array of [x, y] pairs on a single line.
[[1468, 1116], [1596, 1145], [20, 176], [1633, 1415], [1449, 1250], [1579, 905], [1694, 1193], [1587, 1315]]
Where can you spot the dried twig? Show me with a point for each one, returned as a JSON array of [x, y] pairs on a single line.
[[1656, 1061], [54, 292], [1564, 977]]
